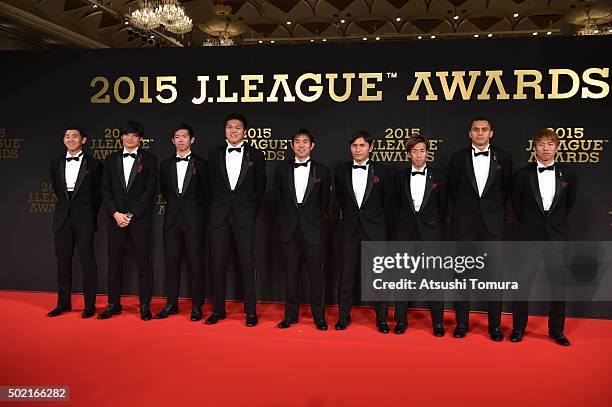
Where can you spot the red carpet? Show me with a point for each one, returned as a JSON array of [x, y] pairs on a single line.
[[124, 361]]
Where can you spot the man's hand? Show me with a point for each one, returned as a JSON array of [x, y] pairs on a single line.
[[122, 219]]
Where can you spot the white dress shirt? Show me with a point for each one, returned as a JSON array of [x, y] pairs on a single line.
[[72, 170], [300, 177], [233, 163], [181, 170], [481, 167], [547, 184], [360, 180], [128, 163], [417, 187]]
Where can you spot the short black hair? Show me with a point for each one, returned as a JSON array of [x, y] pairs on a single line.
[[77, 128], [183, 126], [477, 119], [235, 116], [305, 132], [361, 133], [416, 139], [131, 127]]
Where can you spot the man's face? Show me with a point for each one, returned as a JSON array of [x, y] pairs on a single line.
[[234, 131], [182, 141], [302, 146], [130, 140], [418, 155], [481, 133], [73, 140], [545, 150], [360, 150]]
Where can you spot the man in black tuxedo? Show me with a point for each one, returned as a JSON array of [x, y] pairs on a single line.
[[128, 187], [183, 180], [543, 194], [76, 178], [479, 184], [365, 194], [238, 181], [302, 193], [421, 201]]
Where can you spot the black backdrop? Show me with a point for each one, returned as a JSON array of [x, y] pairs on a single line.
[[41, 92]]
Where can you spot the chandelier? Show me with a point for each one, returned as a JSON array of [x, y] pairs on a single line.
[[150, 14], [224, 39]]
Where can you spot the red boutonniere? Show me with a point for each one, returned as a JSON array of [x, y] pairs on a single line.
[[194, 172], [434, 185], [318, 179], [375, 179], [251, 163], [87, 172], [499, 167], [139, 169], [564, 184]]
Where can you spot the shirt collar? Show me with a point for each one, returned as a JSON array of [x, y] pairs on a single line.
[[133, 152], [231, 146], [474, 148], [186, 155], [79, 154], [366, 163], [540, 165], [421, 170], [301, 162]]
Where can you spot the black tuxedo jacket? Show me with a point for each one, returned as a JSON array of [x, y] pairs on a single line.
[[307, 215], [139, 196], [534, 222], [463, 191], [376, 212], [429, 220], [86, 198], [248, 194], [192, 202]]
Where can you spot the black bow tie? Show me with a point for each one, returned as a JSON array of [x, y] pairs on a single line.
[[484, 153], [179, 159], [133, 155], [418, 173], [68, 159], [550, 167], [304, 164], [363, 167], [237, 149]]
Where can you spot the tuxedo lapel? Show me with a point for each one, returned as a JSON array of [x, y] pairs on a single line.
[[492, 171], [408, 190], [135, 166], [81, 176], [369, 184], [312, 174], [62, 176], [173, 177], [558, 189], [535, 187], [223, 168], [428, 185], [188, 174], [291, 184], [244, 168], [120, 173], [469, 166], [349, 184]]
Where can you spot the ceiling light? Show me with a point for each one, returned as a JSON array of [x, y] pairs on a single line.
[[377, 38], [324, 39], [456, 18], [288, 22], [433, 37], [272, 42], [311, 40], [398, 19], [475, 35], [343, 21], [260, 41], [515, 15], [549, 32], [490, 35], [419, 37], [534, 33]]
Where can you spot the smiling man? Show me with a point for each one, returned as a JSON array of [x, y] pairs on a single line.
[[238, 181], [302, 194]]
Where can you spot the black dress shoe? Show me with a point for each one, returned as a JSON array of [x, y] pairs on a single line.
[[251, 320], [214, 318], [560, 339], [516, 335], [110, 310], [342, 323], [286, 323], [88, 313], [460, 331], [59, 310], [321, 325], [196, 314], [400, 328], [383, 327], [438, 330], [496, 334], [145, 312], [169, 309]]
